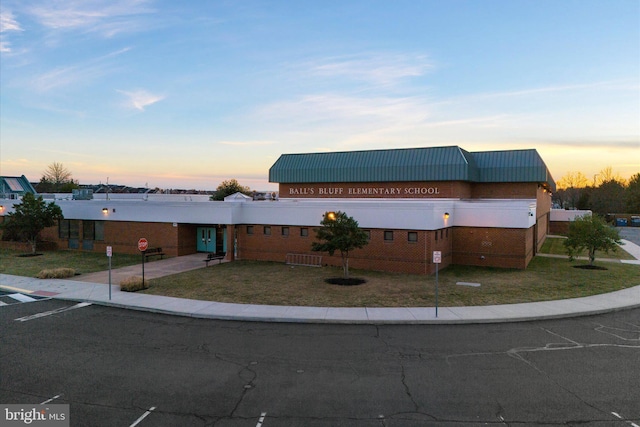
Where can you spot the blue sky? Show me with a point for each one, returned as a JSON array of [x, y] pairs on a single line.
[[187, 94]]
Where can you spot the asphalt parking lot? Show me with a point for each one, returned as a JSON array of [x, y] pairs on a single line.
[[118, 367]]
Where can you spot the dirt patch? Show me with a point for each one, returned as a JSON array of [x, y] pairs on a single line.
[[590, 267], [341, 281]]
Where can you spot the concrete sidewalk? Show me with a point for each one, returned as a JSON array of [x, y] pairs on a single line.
[[98, 293], [94, 288]]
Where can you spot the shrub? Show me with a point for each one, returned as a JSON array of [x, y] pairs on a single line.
[[133, 284], [56, 273]]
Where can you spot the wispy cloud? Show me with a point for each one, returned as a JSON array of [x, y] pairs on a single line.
[[76, 74], [376, 68], [246, 143], [140, 99], [108, 17], [7, 23]]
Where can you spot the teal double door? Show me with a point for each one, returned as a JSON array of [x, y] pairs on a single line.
[[212, 239]]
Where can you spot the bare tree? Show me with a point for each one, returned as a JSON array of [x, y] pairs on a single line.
[[55, 177]]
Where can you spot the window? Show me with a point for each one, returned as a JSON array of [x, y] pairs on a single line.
[[436, 232], [63, 229], [249, 229], [285, 231], [92, 230], [267, 230], [412, 236], [368, 233], [99, 230], [388, 235], [304, 232], [69, 229], [441, 234]]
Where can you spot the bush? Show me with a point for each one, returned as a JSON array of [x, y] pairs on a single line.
[[133, 284], [56, 273]]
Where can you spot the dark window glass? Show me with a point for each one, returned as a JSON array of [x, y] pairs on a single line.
[[304, 232], [285, 231], [74, 229], [412, 236], [63, 229], [267, 230], [249, 229], [388, 235], [99, 229], [88, 230]]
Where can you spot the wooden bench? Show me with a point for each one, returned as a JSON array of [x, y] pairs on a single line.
[[213, 256], [153, 252]]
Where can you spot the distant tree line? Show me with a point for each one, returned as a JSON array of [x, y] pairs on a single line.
[[606, 193]]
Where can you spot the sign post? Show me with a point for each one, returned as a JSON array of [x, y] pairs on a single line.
[[437, 259], [143, 244], [109, 254]]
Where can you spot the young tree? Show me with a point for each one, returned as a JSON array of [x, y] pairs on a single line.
[[31, 217], [592, 233], [342, 233], [229, 187]]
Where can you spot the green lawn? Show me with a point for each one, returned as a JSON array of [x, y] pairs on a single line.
[[554, 245], [13, 262], [278, 284]]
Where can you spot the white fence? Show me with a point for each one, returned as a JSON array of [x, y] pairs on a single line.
[[304, 259]]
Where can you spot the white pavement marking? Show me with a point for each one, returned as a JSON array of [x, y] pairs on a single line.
[[631, 423], [142, 417], [52, 399], [261, 420], [21, 298], [56, 311], [3, 303]]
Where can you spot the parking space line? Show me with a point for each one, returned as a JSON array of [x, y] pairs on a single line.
[[51, 400], [261, 420], [49, 313], [142, 417], [631, 423]]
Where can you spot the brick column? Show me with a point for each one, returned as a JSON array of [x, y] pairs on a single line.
[[231, 234]]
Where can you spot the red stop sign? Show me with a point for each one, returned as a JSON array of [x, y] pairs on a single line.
[[143, 244]]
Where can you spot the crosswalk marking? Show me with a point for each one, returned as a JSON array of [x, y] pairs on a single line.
[[21, 297]]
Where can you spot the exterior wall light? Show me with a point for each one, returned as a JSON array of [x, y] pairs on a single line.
[[446, 215], [105, 211], [1, 208], [331, 216]]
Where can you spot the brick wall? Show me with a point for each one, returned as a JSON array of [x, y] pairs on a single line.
[[504, 190], [386, 190], [494, 247], [397, 255]]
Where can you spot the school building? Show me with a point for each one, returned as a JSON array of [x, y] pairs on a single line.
[[489, 208]]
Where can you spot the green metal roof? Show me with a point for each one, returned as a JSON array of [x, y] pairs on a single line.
[[16, 185], [411, 164], [513, 166]]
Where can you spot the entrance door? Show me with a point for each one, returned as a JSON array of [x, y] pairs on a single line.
[[206, 239]]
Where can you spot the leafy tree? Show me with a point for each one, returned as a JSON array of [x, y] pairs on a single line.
[[229, 187], [592, 233], [632, 194], [30, 217], [608, 198], [339, 232]]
